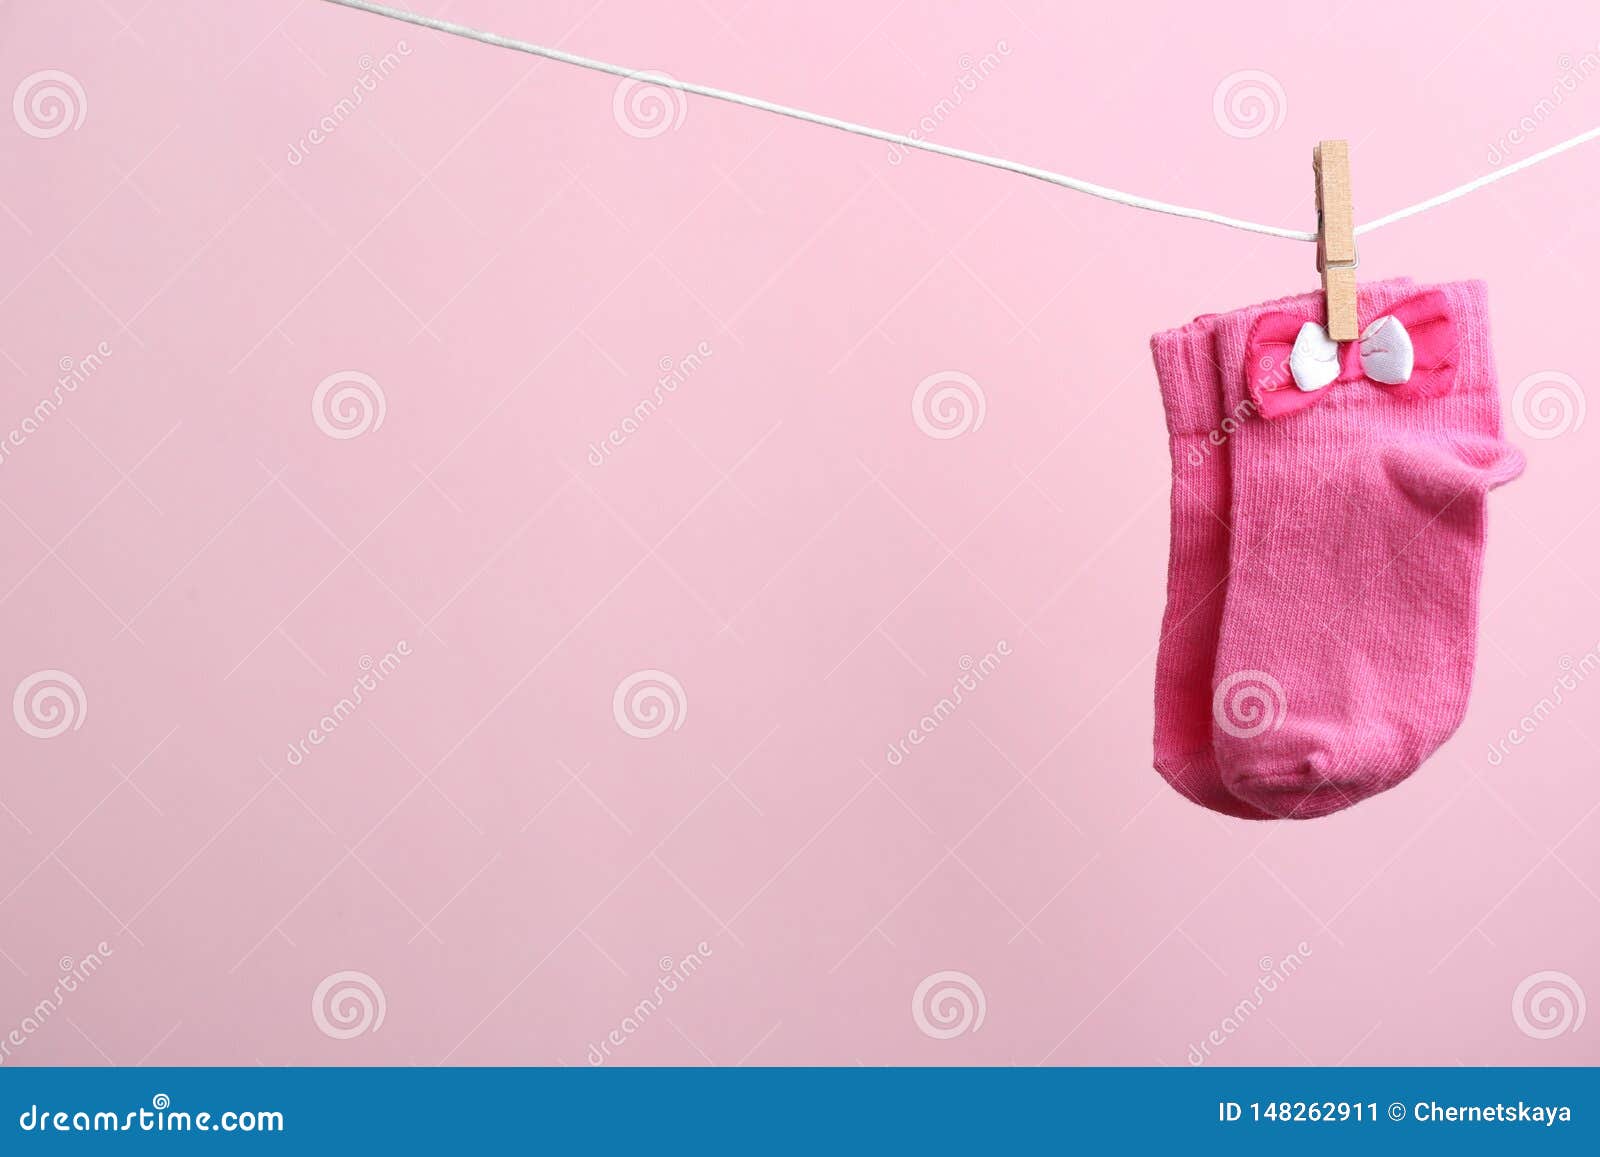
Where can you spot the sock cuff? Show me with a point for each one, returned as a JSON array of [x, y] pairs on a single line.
[[1190, 380], [1200, 366], [1469, 304]]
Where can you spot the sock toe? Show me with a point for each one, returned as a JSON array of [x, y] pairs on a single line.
[[1303, 786], [1198, 779]]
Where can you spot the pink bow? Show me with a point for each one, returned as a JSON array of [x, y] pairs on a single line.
[[1424, 319]]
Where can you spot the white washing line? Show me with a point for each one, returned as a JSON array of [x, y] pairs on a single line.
[[1066, 182]]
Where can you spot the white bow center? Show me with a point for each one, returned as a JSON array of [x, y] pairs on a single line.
[[1387, 356]]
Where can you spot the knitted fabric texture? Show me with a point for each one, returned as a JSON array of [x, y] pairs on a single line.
[[1321, 622]]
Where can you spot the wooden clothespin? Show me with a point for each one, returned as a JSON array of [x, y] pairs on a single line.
[[1336, 238]]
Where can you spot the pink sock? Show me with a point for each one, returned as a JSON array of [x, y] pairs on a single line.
[[1197, 566], [1348, 636]]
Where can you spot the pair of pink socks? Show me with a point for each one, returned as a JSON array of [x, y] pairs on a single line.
[[1327, 544]]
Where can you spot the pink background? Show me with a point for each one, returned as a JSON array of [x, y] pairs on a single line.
[[484, 239]]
